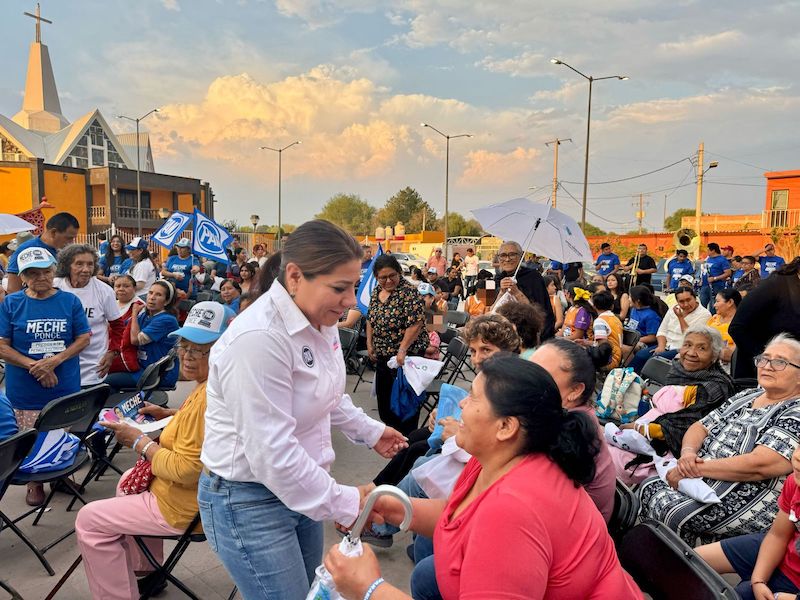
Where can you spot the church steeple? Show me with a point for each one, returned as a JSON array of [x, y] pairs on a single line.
[[41, 108]]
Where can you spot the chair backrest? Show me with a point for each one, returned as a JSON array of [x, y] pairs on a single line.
[[630, 337], [13, 451], [626, 511], [204, 296], [457, 318], [667, 568], [348, 338], [150, 378], [655, 371], [76, 412], [457, 352]]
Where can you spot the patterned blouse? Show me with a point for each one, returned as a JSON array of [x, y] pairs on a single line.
[[389, 320]]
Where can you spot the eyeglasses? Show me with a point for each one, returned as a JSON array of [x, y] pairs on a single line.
[[388, 277], [778, 364], [192, 352], [508, 255]]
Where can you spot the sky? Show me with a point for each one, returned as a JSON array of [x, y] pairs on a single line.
[[353, 80]]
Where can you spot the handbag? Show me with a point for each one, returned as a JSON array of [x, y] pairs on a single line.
[[138, 479], [405, 402], [619, 398]]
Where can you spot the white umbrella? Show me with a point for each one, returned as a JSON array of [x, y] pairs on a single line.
[[538, 228], [14, 224]]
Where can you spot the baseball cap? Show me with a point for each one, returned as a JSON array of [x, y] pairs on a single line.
[[136, 243], [426, 289], [35, 257], [13, 245], [689, 278], [432, 270], [729, 248], [183, 243], [24, 236], [205, 323]]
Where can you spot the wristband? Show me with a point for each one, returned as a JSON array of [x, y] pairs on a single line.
[[692, 448], [143, 453], [137, 440], [371, 589], [752, 583]]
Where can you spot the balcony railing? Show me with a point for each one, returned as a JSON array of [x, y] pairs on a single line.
[[781, 219], [14, 157], [130, 212], [98, 215]]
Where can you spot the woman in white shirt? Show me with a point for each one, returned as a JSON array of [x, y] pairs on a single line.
[[275, 387], [142, 270]]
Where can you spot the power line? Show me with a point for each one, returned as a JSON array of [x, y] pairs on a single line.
[[746, 164], [633, 176], [626, 196], [602, 218], [758, 185]]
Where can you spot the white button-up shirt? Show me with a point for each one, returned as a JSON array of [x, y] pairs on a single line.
[[670, 327], [275, 387]]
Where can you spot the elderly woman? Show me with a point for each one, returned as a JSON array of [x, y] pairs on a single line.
[[726, 302], [696, 384], [395, 327], [42, 332], [529, 459], [110, 557], [77, 264], [742, 450]]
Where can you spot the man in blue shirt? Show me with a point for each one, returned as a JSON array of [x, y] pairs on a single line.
[[556, 269], [715, 271], [769, 261], [181, 267], [678, 267], [607, 262], [59, 231]]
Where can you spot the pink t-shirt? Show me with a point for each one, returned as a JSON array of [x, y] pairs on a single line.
[[531, 535], [601, 488]]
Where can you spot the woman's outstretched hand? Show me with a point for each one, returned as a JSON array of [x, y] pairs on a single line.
[[390, 443]]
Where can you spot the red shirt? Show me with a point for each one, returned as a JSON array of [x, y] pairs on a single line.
[[789, 502], [531, 535]]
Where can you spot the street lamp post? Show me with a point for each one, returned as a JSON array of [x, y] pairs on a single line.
[[446, 175], [138, 168], [591, 80], [280, 155]]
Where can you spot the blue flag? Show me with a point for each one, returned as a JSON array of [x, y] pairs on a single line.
[[209, 238], [368, 283], [171, 230]]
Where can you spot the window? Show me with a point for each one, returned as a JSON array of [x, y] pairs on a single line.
[[128, 198], [778, 216], [98, 157]]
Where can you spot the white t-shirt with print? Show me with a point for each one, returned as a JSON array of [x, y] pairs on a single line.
[[144, 271]]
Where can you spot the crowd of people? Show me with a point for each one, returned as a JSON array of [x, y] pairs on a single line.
[[525, 444]]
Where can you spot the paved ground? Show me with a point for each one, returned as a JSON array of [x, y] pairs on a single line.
[[199, 567]]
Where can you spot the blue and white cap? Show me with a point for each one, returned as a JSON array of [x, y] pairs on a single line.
[[35, 257], [137, 243], [205, 323], [183, 243], [426, 289]]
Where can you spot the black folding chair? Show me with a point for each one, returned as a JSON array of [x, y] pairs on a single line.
[[626, 511], [13, 451], [348, 338], [453, 359], [630, 337], [457, 318], [667, 568], [655, 373], [741, 383]]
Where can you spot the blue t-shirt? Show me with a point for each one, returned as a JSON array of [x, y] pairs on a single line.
[[176, 264], [103, 248], [768, 264], [714, 266], [8, 422], [644, 320], [38, 329], [32, 243], [605, 263], [235, 304], [157, 328], [737, 275], [117, 267], [677, 269]]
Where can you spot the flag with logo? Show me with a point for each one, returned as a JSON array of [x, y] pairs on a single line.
[[368, 283], [171, 230], [209, 238]]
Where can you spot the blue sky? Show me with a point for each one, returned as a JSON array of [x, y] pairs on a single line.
[[353, 79]]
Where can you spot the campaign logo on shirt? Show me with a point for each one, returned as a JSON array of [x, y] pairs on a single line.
[[308, 356], [46, 333]]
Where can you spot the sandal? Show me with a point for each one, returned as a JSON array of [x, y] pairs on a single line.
[[368, 536]]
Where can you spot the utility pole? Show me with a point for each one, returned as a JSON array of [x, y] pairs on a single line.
[[556, 143], [665, 210], [640, 213], [698, 208]]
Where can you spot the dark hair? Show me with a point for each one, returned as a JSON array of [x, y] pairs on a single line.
[[682, 251], [593, 287], [266, 275], [730, 294], [603, 300], [102, 236], [61, 222], [605, 245], [621, 285], [527, 319], [495, 329], [318, 247], [521, 389], [736, 258], [683, 290], [548, 279], [245, 300], [249, 267], [234, 283], [580, 303], [714, 247], [172, 294], [110, 253], [642, 295], [127, 276], [642, 245], [790, 268], [4, 247], [417, 272], [752, 259], [483, 274], [386, 261], [580, 365]]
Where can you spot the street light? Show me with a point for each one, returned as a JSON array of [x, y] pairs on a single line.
[[446, 174], [138, 167], [254, 219], [591, 80], [280, 155]]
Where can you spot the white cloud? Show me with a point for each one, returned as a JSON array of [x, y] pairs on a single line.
[[703, 44], [171, 5], [527, 64]]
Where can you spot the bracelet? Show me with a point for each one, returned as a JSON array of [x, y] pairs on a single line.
[[373, 587], [143, 453], [752, 583], [136, 441], [692, 448]]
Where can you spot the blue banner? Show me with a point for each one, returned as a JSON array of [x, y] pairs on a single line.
[[171, 230], [368, 283], [209, 238]]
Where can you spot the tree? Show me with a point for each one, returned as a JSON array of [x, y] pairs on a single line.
[[673, 222], [230, 225], [350, 212], [592, 230], [408, 207], [458, 226]]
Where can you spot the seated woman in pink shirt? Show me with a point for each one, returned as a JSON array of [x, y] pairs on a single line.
[[519, 524]]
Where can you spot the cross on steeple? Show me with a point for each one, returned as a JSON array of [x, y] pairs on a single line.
[[39, 19]]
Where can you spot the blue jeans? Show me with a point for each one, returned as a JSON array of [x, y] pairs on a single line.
[[269, 550], [642, 356], [123, 379], [423, 581], [412, 489]]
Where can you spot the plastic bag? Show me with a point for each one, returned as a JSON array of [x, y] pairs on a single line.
[[695, 488], [418, 371], [628, 440], [405, 401], [450, 397], [502, 300]]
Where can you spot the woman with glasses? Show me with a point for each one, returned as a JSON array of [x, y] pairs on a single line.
[[395, 327], [111, 558], [742, 449]]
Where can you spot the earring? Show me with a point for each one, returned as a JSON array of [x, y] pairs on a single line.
[[293, 293]]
